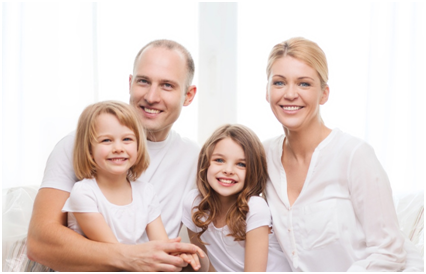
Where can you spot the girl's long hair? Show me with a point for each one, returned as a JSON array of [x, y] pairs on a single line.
[[254, 184]]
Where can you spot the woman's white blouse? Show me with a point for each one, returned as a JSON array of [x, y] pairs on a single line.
[[344, 218]]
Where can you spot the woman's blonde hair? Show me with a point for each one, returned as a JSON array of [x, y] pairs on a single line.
[[254, 184], [303, 50], [84, 164]]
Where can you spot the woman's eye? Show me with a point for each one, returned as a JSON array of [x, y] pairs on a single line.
[[241, 164], [304, 84], [278, 83]]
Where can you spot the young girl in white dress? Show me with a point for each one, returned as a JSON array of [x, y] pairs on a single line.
[[226, 216], [107, 205]]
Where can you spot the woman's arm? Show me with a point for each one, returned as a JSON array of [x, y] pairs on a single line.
[[371, 197], [257, 244]]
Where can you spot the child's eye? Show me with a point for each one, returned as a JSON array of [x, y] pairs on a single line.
[[127, 139], [106, 140], [241, 164], [219, 160]]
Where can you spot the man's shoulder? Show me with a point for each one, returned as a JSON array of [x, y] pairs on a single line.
[[184, 142]]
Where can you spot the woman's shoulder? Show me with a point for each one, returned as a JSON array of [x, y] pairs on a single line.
[[273, 142], [341, 141]]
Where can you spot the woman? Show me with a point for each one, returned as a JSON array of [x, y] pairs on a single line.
[[329, 196]]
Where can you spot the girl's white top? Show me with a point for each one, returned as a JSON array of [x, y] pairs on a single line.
[[344, 218], [127, 222], [227, 255]]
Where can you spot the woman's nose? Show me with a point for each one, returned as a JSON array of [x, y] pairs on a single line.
[[290, 92]]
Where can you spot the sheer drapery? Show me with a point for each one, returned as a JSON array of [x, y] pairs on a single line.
[[59, 57], [377, 66]]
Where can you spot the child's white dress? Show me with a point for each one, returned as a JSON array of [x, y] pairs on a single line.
[[224, 253], [127, 222]]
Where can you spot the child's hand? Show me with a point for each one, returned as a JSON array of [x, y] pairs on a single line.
[[193, 259]]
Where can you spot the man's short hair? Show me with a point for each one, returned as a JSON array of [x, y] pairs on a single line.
[[171, 45]]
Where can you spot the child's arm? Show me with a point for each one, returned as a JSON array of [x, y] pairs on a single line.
[[194, 240], [95, 227], [156, 231], [257, 244]]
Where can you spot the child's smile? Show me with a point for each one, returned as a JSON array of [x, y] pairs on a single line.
[[227, 171]]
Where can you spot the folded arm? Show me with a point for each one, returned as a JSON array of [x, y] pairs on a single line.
[[52, 244]]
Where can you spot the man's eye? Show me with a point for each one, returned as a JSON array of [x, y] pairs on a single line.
[[167, 85], [142, 81]]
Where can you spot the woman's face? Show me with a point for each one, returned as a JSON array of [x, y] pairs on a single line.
[[295, 94]]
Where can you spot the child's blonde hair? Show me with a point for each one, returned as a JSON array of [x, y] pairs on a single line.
[[254, 184], [84, 164]]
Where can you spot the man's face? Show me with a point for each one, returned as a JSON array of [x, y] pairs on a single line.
[[158, 90]]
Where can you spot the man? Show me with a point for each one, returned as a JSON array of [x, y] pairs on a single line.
[[159, 87]]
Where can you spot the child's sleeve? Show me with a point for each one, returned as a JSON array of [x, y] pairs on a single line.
[[189, 202], [154, 208], [259, 214], [82, 199]]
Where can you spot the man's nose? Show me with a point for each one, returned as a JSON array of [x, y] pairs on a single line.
[[153, 95]]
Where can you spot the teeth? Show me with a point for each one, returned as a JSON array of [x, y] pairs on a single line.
[[153, 111], [292, 108], [226, 181], [118, 159]]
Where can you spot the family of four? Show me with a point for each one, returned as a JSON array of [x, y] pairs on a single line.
[[312, 199]]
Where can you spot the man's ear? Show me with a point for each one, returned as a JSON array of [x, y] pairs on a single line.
[[325, 94], [130, 81], [190, 94]]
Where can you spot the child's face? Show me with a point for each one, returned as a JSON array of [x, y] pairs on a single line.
[[115, 148], [227, 170]]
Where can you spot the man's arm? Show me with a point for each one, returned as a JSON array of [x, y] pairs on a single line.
[[52, 244]]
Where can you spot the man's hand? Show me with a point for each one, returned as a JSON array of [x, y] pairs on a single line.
[[157, 255]]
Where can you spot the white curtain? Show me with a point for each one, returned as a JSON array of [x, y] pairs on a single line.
[[59, 57], [377, 69]]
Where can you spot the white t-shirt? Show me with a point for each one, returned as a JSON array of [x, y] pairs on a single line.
[[172, 172], [344, 218], [127, 222], [227, 255]]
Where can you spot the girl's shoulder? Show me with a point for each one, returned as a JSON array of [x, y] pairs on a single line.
[[192, 198], [85, 185], [258, 203]]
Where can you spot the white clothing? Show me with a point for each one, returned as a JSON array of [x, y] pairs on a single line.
[[127, 222], [227, 255], [344, 218], [172, 172]]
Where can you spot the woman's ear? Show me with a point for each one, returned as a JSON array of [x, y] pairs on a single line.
[[325, 94]]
